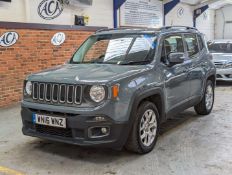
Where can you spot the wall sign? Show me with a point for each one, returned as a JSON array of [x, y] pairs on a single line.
[[50, 9], [8, 39], [142, 13], [205, 16], [58, 39], [180, 12]]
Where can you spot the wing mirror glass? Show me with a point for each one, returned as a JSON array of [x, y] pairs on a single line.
[[176, 58]]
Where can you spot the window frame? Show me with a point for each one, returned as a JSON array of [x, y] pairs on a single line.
[[163, 44], [186, 48], [200, 39]]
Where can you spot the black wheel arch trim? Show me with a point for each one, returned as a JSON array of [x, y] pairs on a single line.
[[212, 72], [139, 97]]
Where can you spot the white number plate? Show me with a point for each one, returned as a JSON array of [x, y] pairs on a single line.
[[49, 121]]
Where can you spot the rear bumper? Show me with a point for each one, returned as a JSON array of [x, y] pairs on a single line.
[[224, 74], [77, 130]]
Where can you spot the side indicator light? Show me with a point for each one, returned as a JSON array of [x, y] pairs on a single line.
[[115, 91]]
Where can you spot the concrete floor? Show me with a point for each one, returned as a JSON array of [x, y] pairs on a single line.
[[188, 145]]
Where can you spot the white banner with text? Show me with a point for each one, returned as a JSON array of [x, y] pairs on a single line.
[[141, 13]]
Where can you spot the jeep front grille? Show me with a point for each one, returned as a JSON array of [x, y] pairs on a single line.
[[57, 93]]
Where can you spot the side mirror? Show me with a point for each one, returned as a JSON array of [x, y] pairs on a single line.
[[176, 58]]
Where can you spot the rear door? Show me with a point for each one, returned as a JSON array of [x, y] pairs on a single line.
[[195, 53]]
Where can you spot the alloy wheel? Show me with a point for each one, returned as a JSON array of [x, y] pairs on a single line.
[[148, 128]]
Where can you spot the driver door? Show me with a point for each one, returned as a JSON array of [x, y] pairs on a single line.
[[177, 85]]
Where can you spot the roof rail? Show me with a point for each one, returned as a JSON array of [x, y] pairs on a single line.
[[112, 29], [101, 30], [146, 29], [178, 27], [124, 28]]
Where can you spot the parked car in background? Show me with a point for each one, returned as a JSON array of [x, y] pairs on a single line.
[[119, 86], [222, 58]]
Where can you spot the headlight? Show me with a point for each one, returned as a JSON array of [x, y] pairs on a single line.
[[97, 93], [28, 88]]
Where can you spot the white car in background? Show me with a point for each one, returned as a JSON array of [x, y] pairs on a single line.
[[222, 58]]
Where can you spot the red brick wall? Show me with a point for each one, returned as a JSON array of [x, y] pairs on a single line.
[[32, 52]]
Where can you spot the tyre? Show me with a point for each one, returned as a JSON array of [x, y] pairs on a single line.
[[145, 129], [206, 105]]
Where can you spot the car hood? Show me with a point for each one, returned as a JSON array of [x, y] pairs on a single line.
[[222, 57], [87, 73]]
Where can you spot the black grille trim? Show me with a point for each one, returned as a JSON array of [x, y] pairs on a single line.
[[35, 90], [70, 91], [41, 91], [77, 99], [62, 94], [48, 95], [53, 93], [62, 132]]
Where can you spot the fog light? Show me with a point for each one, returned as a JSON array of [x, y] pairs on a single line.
[[96, 132], [104, 130]]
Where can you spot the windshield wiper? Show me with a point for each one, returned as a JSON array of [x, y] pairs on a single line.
[[81, 62], [136, 62]]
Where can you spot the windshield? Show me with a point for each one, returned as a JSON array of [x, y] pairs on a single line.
[[116, 49], [220, 47]]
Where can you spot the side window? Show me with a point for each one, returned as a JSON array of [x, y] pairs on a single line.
[[171, 44], [201, 45], [192, 45]]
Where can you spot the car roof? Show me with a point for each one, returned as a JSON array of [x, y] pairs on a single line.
[[167, 29]]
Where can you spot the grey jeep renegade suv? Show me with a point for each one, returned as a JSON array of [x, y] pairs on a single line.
[[119, 86]]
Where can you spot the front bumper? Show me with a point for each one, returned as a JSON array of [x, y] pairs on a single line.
[[77, 131], [224, 74]]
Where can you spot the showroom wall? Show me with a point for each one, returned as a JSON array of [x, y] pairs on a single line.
[[223, 23], [205, 23], [100, 13], [182, 14], [32, 52]]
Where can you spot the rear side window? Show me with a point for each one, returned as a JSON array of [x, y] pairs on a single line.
[[200, 41], [192, 44]]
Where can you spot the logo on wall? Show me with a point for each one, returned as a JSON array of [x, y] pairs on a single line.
[[50, 9], [205, 16], [8, 39], [180, 12], [58, 39]]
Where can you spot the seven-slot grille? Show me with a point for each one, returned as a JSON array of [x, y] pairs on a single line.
[[57, 93]]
